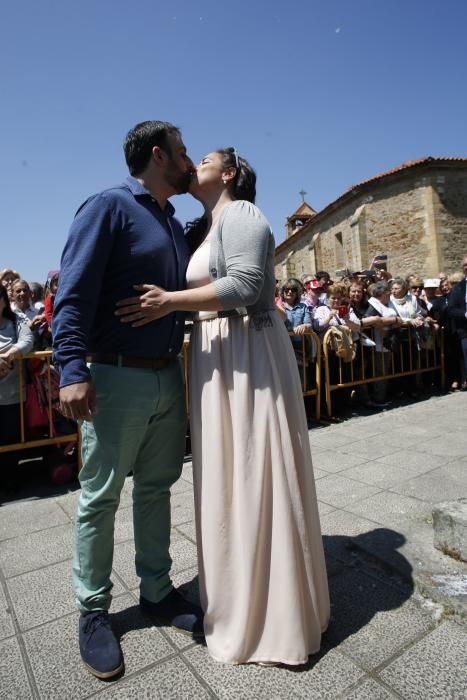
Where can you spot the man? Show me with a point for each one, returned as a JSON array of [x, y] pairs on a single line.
[[457, 311], [124, 384]]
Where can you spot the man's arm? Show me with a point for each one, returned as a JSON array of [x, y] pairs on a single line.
[[83, 264]]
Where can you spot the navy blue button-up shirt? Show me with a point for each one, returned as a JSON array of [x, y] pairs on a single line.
[[119, 238]]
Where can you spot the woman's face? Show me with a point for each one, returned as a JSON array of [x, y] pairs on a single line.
[[334, 301], [208, 174], [21, 295], [290, 295], [445, 286], [7, 282], [398, 290], [355, 294]]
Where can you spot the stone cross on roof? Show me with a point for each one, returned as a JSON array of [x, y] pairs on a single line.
[[303, 193]]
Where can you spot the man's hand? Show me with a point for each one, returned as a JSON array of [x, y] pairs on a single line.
[[78, 401]]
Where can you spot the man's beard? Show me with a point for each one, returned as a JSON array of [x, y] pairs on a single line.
[[179, 181]]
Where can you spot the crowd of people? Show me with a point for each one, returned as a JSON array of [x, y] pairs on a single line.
[[380, 310], [384, 313], [26, 310]]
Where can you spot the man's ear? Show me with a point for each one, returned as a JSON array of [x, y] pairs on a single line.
[[159, 156]]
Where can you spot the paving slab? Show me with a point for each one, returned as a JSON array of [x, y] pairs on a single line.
[[433, 669], [54, 651], [36, 549], [7, 628], [44, 594], [323, 679], [329, 461], [339, 491], [169, 680], [383, 475], [427, 486], [370, 689], [372, 621], [14, 683], [24, 517]]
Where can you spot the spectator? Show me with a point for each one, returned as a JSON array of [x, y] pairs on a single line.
[[15, 339], [324, 279], [23, 307], [311, 294], [457, 310], [298, 315], [37, 295], [452, 350], [50, 298], [385, 320], [408, 309], [7, 277], [336, 312]]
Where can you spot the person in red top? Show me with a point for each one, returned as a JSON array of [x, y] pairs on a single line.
[[50, 298]]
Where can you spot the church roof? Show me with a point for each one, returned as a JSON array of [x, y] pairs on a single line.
[[363, 185], [303, 210]]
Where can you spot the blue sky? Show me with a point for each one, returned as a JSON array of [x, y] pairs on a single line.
[[316, 94]]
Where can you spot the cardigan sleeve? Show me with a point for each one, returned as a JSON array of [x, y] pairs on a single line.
[[245, 235]]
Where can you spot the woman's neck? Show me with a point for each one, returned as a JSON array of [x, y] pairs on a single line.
[[214, 206]]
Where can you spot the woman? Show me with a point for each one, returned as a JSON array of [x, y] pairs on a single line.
[[298, 318], [15, 339], [336, 312], [261, 564], [7, 277], [410, 336]]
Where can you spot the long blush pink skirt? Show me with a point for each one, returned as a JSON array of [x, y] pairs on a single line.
[[262, 572]]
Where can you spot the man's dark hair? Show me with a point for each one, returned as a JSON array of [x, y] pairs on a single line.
[[140, 141]]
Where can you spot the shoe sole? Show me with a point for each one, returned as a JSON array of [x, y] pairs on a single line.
[[103, 675], [167, 623]]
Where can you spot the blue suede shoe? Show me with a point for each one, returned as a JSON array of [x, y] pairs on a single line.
[[100, 650], [176, 611]]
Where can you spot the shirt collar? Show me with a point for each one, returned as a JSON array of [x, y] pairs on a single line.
[[137, 189]]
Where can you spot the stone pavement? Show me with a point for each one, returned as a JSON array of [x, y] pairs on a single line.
[[398, 626]]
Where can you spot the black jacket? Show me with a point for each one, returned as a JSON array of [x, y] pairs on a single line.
[[457, 309]]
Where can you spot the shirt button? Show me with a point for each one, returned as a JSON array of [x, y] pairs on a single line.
[[170, 349]]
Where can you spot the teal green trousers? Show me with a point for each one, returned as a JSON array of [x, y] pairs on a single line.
[[139, 426]]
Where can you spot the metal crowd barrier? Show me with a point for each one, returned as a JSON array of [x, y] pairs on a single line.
[[352, 374], [50, 438]]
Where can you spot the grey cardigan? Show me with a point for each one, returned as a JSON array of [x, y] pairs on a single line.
[[241, 261]]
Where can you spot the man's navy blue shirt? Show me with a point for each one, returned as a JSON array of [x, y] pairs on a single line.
[[119, 238]]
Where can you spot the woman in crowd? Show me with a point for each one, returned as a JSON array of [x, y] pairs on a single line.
[[384, 320], [7, 277], [261, 565], [15, 339], [50, 298], [298, 317], [335, 312], [452, 350], [22, 305], [409, 335]]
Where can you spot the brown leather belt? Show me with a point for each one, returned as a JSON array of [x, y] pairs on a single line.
[[129, 361]]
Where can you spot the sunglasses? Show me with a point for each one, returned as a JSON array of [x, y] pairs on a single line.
[[290, 289]]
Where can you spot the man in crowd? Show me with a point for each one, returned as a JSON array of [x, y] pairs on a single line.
[[124, 384], [457, 310]]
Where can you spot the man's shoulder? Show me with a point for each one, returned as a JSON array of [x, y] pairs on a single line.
[[108, 196]]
